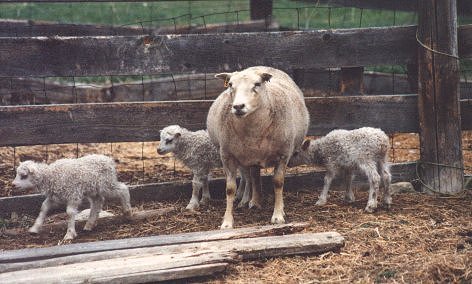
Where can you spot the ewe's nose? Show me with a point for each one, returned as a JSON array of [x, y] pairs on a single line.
[[238, 107], [159, 151]]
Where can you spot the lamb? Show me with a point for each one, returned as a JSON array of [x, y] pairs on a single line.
[[258, 121], [344, 152], [199, 154], [69, 181]]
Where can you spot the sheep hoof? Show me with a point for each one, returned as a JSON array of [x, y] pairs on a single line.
[[192, 207], [34, 230], [320, 202], [205, 200], [88, 227], [277, 219], [242, 203], [70, 236], [370, 208], [226, 225], [255, 205], [349, 199]]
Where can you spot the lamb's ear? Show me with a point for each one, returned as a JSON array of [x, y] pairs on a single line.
[[306, 144], [224, 76], [266, 77], [177, 135]]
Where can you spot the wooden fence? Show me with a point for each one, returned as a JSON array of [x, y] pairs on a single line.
[[138, 54]]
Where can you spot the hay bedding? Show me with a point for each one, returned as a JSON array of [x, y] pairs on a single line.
[[422, 239]]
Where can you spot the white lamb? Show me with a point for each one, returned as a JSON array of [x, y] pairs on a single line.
[[199, 154], [69, 181], [344, 152]]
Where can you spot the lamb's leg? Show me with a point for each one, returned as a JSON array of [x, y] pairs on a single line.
[[330, 174], [347, 179], [255, 176], [71, 211], [386, 180], [47, 204], [95, 208], [125, 200], [205, 192], [197, 184], [373, 176], [230, 169], [245, 184], [278, 179]]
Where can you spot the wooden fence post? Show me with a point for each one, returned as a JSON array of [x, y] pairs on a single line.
[[261, 9], [438, 101]]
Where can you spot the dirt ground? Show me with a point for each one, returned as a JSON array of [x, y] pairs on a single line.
[[422, 238]]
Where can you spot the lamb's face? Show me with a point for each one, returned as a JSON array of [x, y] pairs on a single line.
[[302, 156], [24, 175], [169, 137], [246, 90]]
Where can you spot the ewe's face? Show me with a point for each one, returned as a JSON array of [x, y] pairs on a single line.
[[246, 90], [169, 136], [301, 156], [24, 175]]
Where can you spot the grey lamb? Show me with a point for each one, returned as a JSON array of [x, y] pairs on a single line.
[[199, 154], [69, 181], [343, 152]]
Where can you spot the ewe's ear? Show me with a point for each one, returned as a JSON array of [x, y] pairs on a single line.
[[306, 144], [266, 77], [224, 76]]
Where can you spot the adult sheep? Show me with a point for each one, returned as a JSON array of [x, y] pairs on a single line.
[[257, 121]]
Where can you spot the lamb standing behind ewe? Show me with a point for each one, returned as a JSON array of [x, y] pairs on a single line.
[[343, 152], [257, 122], [199, 154], [69, 181]]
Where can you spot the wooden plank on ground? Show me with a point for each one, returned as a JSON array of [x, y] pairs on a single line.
[[35, 254], [139, 55], [180, 255]]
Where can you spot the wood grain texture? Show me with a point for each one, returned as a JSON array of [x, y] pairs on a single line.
[[36, 254], [352, 81], [438, 101], [115, 55], [30, 204]]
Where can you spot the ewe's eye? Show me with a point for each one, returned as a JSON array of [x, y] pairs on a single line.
[[257, 84], [23, 176], [230, 85], [168, 141]]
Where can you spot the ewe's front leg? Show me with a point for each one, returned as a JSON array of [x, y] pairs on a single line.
[[230, 172], [71, 211], [47, 204], [279, 176]]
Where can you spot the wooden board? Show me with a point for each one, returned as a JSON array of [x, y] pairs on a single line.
[[141, 121], [35, 254], [125, 55], [175, 255], [30, 204]]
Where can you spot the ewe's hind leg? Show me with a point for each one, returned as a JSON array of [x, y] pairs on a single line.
[[244, 188], [96, 204], [373, 176], [71, 211], [241, 186], [197, 184], [330, 174], [255, 177], [386, 180], [347, 179], [47, 204], [205, 192], [279, 176]]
